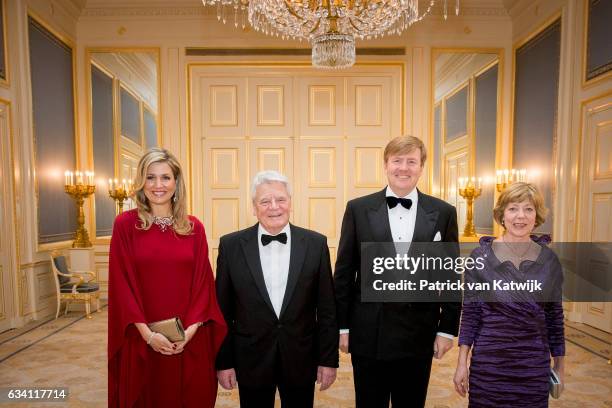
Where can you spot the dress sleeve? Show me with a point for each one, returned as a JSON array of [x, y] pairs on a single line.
[[554, 313], [471, 317], [124, 309], [124, 304]]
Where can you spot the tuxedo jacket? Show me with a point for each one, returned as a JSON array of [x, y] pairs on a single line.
[[389, 331], [261, 346]]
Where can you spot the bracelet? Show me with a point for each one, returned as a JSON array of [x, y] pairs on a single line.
[[151, 337]]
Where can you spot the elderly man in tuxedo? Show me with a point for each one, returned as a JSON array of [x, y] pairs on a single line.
[[275, 288], [392, 344]]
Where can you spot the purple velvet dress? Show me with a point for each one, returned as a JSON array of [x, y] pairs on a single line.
[[512, 338]]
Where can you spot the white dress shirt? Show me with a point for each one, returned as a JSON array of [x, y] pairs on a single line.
[[274, 259], [403, 220]]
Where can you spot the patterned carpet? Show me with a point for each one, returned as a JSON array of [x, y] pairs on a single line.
[[71, 352]]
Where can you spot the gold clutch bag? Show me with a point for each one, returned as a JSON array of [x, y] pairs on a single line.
[[172, 329]]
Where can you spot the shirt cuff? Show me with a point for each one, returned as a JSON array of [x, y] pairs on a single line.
[[344, 331], [448, 336]]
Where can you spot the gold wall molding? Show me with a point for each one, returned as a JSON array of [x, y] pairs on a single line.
[[70, 44]]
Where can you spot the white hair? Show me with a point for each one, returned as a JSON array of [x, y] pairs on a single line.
[[269, 176]]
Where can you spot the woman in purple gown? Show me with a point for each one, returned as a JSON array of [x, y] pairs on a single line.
[[512, 334]]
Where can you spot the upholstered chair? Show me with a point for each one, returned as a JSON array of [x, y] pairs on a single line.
[[74, 286]]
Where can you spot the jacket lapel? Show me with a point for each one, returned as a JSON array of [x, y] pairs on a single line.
[[250, 248], [296, 261], [426, 219], [378, 216]]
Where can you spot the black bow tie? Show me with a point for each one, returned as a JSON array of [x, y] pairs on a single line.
[[392, 202], [266, 239]]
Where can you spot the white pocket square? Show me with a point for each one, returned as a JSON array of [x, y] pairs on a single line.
[[438, 237]]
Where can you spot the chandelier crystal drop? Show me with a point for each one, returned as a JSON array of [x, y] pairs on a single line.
[[330, 25], [333, 51]]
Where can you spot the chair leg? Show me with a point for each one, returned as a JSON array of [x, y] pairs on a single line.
[[98, 303], [88, 308], [66, 309], [58, 308]]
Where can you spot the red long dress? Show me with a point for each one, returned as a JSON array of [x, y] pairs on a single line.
[[156, 275]]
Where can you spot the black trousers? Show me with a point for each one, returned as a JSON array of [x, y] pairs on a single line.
[[403, 382], [263, 397], [292, 396]]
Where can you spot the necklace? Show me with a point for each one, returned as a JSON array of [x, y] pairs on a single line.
[[520, 256], [163, 222]]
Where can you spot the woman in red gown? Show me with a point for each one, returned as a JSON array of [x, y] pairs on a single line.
[[159, 269]]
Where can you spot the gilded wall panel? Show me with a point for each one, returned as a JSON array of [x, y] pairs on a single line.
[[270, 105], [369, 167], [224, 168], [24, 292], [365, 159], [223, 105], [271, 159], [225, 217], [368, 105], [603, 150], [45, 286], [322, 167], [322, 216], [322, 105], [602, 210]]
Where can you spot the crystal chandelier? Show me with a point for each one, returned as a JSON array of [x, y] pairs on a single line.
[[330, 25]]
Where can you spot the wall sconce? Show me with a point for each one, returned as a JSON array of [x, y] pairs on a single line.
[[506, 177], [120, 191], [80, 185], [470, 191]]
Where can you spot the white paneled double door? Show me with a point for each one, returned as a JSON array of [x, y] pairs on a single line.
[[596, 200], [326, 132]]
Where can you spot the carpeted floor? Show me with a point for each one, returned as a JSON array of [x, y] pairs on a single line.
[[71, 352]]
